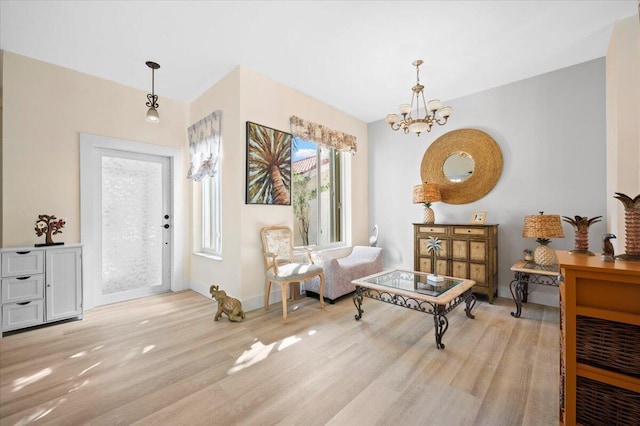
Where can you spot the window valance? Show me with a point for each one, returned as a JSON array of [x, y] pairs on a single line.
[[204, 146], [322, 135]]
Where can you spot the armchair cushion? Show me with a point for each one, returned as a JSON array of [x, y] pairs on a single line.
[[339, 272], [295, 271]]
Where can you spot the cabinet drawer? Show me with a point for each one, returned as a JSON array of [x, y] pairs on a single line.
[[21, 263], [22, 314], [20, 289], [433, 229], [470, 231]]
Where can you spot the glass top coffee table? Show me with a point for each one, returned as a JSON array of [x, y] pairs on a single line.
[[412, 290]]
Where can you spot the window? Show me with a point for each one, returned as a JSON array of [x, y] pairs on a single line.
[[212, 215], [316, 196]]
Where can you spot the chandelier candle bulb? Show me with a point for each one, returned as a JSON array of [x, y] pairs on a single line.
[[434, 105]]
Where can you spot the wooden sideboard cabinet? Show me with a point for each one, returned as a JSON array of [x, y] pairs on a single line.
[[40, 285], [468, 251], [599, 341]]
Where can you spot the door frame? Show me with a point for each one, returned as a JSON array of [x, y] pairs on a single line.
[[91, 271]]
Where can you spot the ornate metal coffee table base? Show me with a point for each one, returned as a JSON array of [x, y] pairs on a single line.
[[438, 311]]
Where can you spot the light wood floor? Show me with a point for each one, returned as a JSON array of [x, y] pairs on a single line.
[[163, 360]]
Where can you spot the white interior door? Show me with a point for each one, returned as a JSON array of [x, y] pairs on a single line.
[[132, 218]]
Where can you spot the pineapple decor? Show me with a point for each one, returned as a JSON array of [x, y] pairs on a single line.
[[581, 227], [434, 245], [631, 226]]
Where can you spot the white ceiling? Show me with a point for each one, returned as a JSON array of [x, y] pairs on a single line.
[[353, 55]]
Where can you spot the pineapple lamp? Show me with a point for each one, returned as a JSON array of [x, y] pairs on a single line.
[[543, 227], [426, 194]]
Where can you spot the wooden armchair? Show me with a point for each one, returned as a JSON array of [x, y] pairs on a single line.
[[279, 261]]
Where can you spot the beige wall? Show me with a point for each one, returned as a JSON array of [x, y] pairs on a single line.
[[245, 95], [45, 108], [623, 122]]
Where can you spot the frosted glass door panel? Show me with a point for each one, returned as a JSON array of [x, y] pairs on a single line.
[[131, 224], [134, 225]]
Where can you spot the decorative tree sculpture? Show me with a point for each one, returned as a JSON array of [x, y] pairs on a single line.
[[434, 247], [631, 226], [581, 227], [49, 225]]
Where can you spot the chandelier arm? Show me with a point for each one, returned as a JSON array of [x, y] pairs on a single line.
[[443, 122]]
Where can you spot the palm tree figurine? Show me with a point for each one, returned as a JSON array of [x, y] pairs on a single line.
[[581, 227], [433, 247]]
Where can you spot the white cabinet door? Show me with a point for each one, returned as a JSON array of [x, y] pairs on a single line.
[[63, 283]]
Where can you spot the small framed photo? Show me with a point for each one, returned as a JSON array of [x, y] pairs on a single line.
[[478, 217]]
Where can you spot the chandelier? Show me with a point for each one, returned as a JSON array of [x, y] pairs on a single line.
[[434, 112]]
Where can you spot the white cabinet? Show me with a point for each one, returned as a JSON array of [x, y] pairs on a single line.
[[40, 285]]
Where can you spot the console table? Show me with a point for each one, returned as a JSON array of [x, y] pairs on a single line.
[[529, 272]]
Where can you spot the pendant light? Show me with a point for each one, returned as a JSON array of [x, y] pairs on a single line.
[[152, 113]]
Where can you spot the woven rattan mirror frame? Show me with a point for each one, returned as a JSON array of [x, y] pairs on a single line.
[[485, 153]]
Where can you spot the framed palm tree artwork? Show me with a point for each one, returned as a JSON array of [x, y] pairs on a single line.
[[268, 165]]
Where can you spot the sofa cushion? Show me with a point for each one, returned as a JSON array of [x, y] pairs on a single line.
[[339, 273]]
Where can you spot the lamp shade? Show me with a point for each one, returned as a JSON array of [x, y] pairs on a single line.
[[542, 226], [426, 193], [152, 115]]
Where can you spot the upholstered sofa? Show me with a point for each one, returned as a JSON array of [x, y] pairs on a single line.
[[358, 262]]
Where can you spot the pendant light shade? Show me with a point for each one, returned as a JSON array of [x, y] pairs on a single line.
[[152, 115]]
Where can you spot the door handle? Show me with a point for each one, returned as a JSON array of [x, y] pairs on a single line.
[[23, 278]]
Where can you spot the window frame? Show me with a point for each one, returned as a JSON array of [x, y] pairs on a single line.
[[337, 219], [212, 215]]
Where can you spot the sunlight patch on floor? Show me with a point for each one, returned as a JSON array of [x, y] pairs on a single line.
[[20, 383], [75, 388], [42, 412], [89, 368], [147, 348], [257, 353], [288, 341]]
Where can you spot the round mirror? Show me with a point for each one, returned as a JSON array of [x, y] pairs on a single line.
[[462, 151], [458, 167]]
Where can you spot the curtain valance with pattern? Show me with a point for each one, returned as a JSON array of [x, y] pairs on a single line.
[[204, 146], [322, 135]]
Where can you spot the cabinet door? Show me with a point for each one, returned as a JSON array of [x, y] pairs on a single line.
[[478, 273], [478, 251], [459, 269], [63, 283], [459, 249], [425, 265]]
